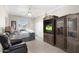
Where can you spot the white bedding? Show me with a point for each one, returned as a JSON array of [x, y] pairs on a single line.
[[21, 34]]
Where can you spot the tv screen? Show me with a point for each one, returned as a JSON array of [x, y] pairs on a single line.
[[49, 27]]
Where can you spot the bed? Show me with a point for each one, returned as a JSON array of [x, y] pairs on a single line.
[[24, 34]]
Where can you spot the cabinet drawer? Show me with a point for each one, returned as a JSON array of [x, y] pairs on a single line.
[[49, 38]]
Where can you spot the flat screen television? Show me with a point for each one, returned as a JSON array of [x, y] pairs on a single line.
[[49, 28]]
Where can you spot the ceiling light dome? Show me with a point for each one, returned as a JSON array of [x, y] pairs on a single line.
[[29, 13]]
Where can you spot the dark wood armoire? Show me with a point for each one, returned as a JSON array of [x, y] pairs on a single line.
[[73, 33], [50, 29], [61, 32]]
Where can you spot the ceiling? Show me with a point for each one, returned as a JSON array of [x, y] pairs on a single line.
[[36, 10]]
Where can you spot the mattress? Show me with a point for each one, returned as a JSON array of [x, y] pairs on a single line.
[[21, 35]]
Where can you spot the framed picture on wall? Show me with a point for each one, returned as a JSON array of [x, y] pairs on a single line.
[[13, 25]]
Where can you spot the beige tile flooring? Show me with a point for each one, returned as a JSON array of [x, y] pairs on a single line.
[[37, 46], [0, 48]]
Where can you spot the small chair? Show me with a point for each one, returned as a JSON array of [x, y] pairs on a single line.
[[13, 42], [9, 47]]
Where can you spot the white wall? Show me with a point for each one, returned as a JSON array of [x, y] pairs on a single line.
[[39, 29], [61, 11], [3, 16]]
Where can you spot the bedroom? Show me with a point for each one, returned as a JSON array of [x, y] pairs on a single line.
[[26, 21]]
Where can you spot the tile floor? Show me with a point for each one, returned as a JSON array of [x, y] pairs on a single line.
[[0, 48], [37, 46]]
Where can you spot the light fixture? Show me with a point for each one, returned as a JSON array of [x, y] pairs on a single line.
[[29, 13]]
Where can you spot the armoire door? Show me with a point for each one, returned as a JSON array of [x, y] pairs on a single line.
[[60, 33], [72, 42]]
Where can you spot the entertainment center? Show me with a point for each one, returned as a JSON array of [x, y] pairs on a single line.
[[62, 32], [50, 29]]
